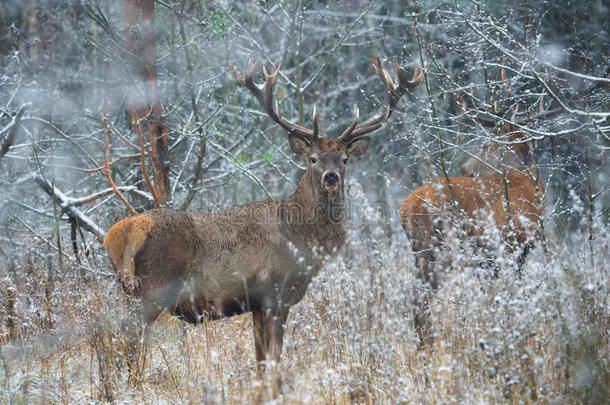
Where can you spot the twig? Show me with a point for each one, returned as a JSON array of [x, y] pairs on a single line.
[[143, 163], [110, 164], [197, 170], [12, 131], [65, 203], [336, 46], [107, 139], [127, 141]]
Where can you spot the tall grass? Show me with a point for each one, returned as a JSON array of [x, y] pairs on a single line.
[[541, 338]]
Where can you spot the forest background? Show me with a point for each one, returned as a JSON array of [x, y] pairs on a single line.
[[75, 73]]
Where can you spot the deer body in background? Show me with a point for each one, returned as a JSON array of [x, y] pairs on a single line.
[[500, 190], [258, 257]]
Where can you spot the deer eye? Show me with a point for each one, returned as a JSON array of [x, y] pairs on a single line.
[[313, 160]]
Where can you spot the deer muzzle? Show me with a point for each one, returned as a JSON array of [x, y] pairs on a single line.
[[330, 180]]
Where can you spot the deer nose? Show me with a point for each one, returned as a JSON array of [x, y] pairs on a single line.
[[331, 179]]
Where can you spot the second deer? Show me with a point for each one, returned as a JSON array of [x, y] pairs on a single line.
[[500, 191], [500, 186]]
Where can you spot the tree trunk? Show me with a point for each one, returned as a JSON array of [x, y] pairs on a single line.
[[140, 41]]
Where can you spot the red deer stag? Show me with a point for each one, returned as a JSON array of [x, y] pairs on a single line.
[[503, 192], [258, 257], [500, 184]]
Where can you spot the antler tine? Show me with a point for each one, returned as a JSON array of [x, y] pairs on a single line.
[[384, 75], [485, 122], [542, 112], [500, 117], [361, 130], [418, 76], [252, 65], [513, 117], [274, 72], [238, 78], [349, 129], [264, 95], [314, 118], [394, 91], [541, 104], [538, 116], [246, 79]]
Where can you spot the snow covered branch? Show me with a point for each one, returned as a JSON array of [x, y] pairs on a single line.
[[11, 130], [69, 206]]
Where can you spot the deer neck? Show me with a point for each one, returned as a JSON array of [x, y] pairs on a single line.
[[315, 215]]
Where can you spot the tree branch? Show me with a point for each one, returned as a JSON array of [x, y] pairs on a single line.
[[12, 131], [68, 206]]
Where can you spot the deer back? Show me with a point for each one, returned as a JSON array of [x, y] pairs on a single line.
[[500, 179]]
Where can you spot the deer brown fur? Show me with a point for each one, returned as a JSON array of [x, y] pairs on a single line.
[[258, 257], [476, 199]]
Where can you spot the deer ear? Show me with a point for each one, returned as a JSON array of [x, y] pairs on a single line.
[[299, 145], [357, 147]]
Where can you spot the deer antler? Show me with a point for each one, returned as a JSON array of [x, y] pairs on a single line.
[[498, 117], [499, 114], [394, 92], [264, 95]]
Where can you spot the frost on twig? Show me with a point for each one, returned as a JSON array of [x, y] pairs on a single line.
[[69, 206], [11, 130]]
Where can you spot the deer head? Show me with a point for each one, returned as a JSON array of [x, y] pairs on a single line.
[[509, 150], [327, 158]]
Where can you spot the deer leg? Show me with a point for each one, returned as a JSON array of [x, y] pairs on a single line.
[[521, 259], [486, 250], [268, 342], [275, 321], [133, 329], [422, 246], [260, 341], [421, 317], [427, 272], [425, 261], [136, 328]]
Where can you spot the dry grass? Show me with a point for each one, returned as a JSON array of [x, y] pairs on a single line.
[[539, 339]]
